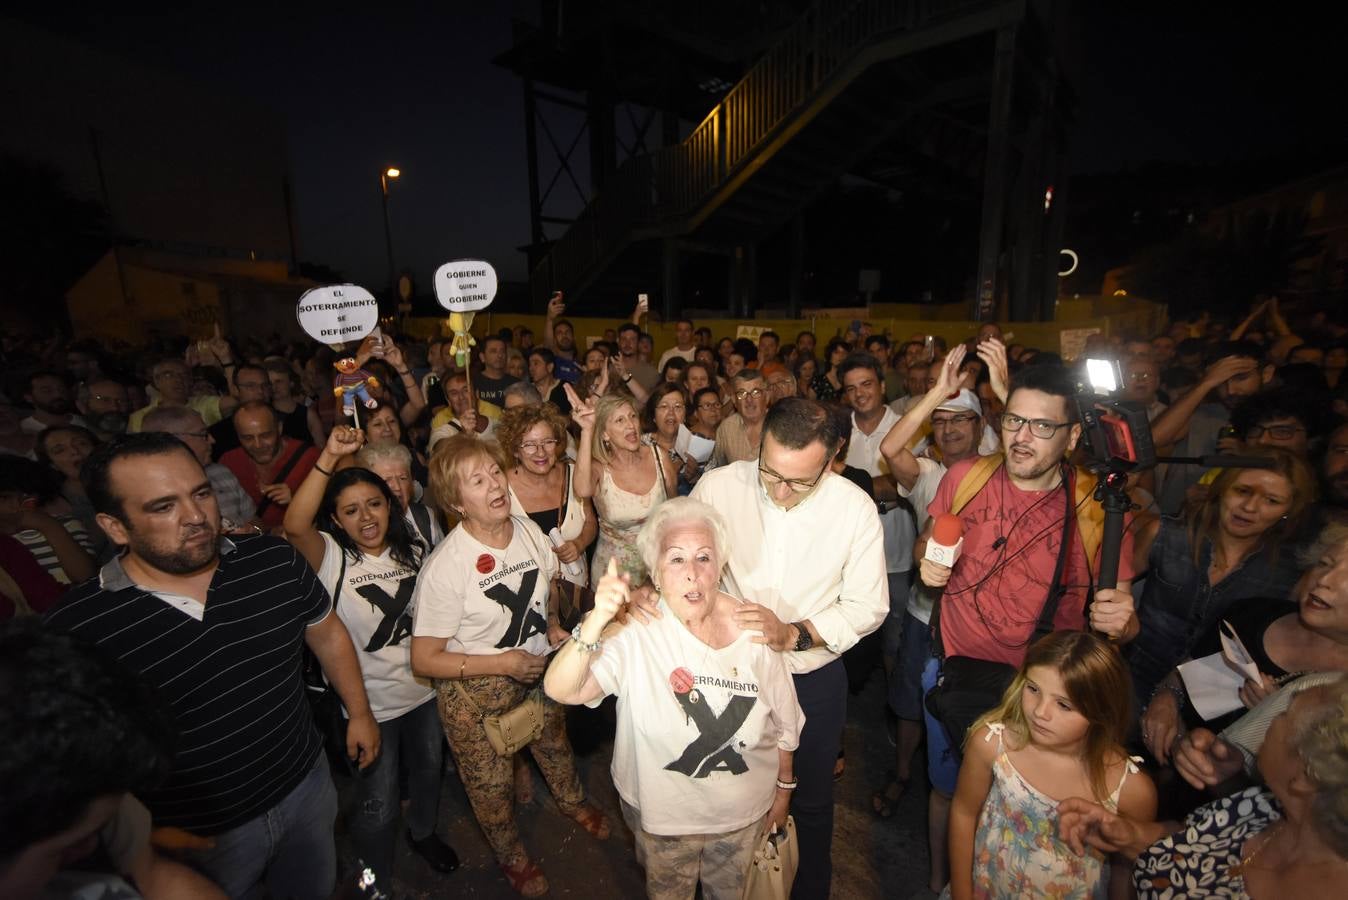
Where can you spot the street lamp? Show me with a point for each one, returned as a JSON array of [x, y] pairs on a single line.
[[385, 176]]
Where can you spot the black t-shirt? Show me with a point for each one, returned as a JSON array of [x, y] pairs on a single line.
[[493, 389]]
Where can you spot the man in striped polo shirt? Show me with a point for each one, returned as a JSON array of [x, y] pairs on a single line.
[[216, 626]]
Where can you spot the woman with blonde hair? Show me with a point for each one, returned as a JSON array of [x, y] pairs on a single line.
[[483, 624], [626, 478], [1230, 548]]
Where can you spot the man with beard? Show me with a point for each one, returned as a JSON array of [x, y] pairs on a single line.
[[1013, 532], [631, 365], [215, 626], [559, 336], [49, 395], [1334, 475], [1191, 426], [106, 406], [269, 465]]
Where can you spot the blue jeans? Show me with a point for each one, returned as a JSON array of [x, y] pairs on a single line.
[[415, 738], [289, 845], [823, 698]]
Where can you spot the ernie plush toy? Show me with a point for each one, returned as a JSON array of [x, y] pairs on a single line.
[[350, 385]]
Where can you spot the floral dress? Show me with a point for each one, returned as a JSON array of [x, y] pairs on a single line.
[[621, 515], [1198, 861], [1017, 852]]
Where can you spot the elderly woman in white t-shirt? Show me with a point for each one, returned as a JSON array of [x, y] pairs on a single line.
[[483, 624], [708, 719]]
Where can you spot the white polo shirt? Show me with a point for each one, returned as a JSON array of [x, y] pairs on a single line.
[[822, 560], [900, 532]]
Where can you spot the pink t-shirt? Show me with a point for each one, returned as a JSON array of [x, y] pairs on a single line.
[[995, 594]]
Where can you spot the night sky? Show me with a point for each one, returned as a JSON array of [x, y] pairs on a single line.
[[361, 90]]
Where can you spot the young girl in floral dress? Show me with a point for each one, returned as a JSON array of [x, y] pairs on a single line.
[[1058, 733]]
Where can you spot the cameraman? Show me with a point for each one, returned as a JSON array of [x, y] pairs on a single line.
[[1013, 530]]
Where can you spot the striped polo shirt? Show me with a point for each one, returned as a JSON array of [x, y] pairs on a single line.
[[229, 671]]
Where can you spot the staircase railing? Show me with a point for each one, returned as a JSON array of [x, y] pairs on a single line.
[[676, 181]]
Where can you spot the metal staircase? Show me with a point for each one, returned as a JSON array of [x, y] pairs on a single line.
[[837, 89]]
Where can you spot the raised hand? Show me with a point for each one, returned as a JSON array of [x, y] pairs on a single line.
[[993, 354], [394, 356], [582, 411], [345, 440], [218, 347], [556, 308], [1226, 368], [611, 596], [948, 377]]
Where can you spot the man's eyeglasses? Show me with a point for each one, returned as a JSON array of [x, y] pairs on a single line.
[[953, 421], [1040, 428], [756, 393], [799, 485], [534, 446], [1281, 432]]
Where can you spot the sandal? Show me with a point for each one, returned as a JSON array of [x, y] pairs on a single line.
[[886, 800], [526, 878], [593, 821]]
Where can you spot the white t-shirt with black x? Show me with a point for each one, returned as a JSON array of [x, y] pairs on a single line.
[[484, 600], [698, 729]]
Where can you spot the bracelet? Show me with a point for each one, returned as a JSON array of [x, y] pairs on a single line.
[[405, 374], [1181, 695], [323, 470], [587, 647], [786, 785]]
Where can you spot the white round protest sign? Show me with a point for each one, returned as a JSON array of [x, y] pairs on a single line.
[[465, 285], [337, 313]]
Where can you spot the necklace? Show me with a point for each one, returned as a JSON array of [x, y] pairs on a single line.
[[1247, 861]]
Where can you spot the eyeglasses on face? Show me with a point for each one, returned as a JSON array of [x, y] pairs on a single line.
[[799, 485], [534, 446], [756, 393], [953, 421], [1040, 428], [1281, 432]]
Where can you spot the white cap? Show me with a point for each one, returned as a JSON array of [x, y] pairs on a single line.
[[965, 401]]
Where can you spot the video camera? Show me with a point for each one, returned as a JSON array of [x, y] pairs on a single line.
[[1115, 434]]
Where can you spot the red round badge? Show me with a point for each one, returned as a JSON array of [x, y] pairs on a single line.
[[485, 563], [681, 680]]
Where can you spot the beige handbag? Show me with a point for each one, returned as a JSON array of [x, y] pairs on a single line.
[[513, 730], [773, 868]]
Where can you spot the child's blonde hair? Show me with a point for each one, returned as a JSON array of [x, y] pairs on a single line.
[[1097, 684]]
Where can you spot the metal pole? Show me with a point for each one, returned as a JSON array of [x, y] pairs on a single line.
[[388, 238]]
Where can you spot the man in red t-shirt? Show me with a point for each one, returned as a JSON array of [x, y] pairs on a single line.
[[1013, 528], [269, 466]]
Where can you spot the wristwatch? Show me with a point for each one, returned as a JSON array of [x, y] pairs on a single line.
[[804, 641]]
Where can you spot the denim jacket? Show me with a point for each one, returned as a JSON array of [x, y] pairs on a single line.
[[1178, 604]]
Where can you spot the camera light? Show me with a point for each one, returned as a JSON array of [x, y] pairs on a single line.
[[1103, 375]]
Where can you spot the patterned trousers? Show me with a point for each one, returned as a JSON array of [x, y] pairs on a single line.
[[675, 863], [488, 778]]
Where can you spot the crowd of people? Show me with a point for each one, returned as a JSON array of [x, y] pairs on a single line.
[[222, 595]]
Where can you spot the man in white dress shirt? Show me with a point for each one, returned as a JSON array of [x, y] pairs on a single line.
[[807, 559]]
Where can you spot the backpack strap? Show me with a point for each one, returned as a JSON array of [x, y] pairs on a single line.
[[974, 480], [421, 516]]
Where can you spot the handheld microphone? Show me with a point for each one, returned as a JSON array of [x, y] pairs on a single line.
[[947, 539]]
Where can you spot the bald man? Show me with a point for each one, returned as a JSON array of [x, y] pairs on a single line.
[[269, 465]]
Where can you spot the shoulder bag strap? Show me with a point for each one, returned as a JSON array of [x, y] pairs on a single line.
[[281, 476], [974, 480], [1046, 615]]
